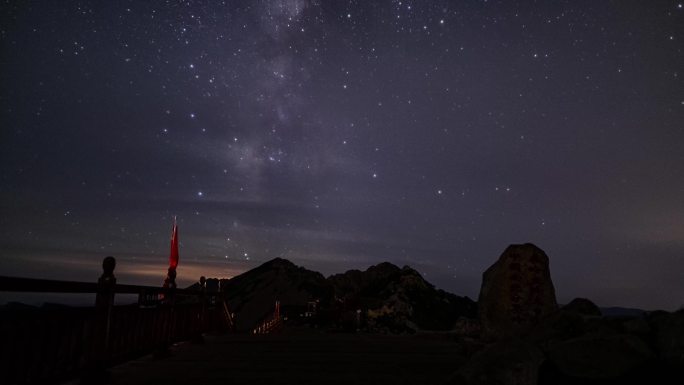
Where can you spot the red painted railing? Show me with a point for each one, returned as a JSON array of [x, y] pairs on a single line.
[[39, 345], [271, 323]]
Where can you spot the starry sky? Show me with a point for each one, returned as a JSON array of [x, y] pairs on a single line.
[[340, 134]]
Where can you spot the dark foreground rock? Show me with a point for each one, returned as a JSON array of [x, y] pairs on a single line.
[[668, 337], [600, 356], [567, 348], [510, 362]]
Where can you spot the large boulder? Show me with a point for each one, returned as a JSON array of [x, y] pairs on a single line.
[[516, 291], [583, 307], [668, 330], [600, 355], [559, 326], [637, 326]]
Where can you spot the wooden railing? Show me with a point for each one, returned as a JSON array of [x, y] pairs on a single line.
[[270, 323], [39, 345]]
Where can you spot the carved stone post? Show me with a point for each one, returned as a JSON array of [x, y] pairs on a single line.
[[96, 369], [104, 301], [170, 281], [203, 299], [168, 315], [198, 339]]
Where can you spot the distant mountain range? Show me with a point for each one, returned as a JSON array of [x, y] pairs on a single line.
[[615, 311]]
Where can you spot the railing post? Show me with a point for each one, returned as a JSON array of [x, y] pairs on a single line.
[[203, 298], [96, 372], [168, 311], [199, 338]]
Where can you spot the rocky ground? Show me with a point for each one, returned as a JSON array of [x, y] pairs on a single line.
[[570, 347]]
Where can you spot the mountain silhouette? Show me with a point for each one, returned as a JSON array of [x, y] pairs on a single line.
[[389, 297], [252, 295]]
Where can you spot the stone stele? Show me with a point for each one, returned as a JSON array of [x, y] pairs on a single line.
[[516, 291]]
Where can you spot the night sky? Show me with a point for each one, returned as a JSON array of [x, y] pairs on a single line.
[[340, 134]]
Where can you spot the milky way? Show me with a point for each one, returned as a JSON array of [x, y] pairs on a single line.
[[340, 134]]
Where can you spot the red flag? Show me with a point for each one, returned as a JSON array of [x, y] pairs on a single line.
[[173, 257]]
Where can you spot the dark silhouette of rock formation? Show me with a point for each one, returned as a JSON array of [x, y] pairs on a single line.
[[667, 333], [400, 299], [382, 298]]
